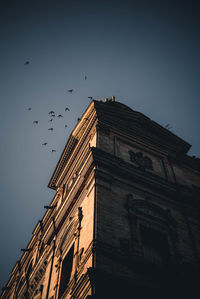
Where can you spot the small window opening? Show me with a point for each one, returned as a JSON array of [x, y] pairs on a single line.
[[66, 271], [155, 246], [29, 269]]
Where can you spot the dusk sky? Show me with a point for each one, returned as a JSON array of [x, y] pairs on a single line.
[[146, 53]]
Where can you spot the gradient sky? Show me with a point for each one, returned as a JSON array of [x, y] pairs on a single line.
[[146, 53]]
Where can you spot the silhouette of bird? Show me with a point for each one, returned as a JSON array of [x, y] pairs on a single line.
[[26, 249], [85, 77], [50, 129], [90, 98], [45, 143], [27, 62], [35, 122], [50, 207], [70, 90], [66, 109], [168, 126], [29, 108], [60, 115], [53, 151], [65, 126], [78, 119]]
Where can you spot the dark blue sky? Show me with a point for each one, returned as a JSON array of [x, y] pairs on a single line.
[[146, 53]]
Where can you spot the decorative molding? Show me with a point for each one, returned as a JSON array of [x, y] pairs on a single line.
[[139, 208], [122, 170]]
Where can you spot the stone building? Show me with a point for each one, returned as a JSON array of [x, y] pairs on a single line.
[[124, 222]]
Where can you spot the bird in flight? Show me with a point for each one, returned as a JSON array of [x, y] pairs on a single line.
[[70, 90], [78, 119], [90, 98], [35, 122], [65, 126], [66, 109], [27, 62], [50, 207], [45, 143], [60, 115], [168, 126], [53, 151], [29, 108], [26, 249], [50, 129]]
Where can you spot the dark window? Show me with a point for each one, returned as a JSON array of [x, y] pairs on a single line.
[[29, 269], [155, 246], [66, 271]]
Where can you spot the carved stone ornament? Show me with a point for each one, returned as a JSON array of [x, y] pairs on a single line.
[[142, 161], [80, 215]]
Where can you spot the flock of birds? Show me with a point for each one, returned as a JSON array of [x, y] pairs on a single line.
[[52, 114]]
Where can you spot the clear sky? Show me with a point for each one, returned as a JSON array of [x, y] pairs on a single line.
[[146, 53]]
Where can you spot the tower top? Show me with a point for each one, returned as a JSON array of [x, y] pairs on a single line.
[[121, 119]]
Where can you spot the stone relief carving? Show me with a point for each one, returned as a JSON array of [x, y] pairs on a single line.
[[142, 161]]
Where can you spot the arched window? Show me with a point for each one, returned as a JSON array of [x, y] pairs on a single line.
[[153, 230]]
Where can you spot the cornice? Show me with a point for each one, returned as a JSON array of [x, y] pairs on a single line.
[[126, 171], [121, 117], [118, 166], [76, 163], [74, 143]]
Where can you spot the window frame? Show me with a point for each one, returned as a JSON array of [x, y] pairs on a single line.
[[161, 222]]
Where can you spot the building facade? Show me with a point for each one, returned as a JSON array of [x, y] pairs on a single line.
[[124, 222]]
